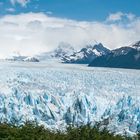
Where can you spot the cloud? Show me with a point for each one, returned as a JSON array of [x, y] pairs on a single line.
[[49, 12], [118, 16], [23, 3], [32, 33], [10, 10], [115, 16]]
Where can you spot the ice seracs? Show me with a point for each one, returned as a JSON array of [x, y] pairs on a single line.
[[61, 95]]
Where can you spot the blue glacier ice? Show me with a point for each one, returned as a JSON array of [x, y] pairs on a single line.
[[56, 95]]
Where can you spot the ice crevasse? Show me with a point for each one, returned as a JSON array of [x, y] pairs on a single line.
[[56, 97]]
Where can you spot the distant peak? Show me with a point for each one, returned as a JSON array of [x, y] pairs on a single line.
[[94, 45], [136, 45]]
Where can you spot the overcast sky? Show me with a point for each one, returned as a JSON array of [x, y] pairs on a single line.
[[33, 26]]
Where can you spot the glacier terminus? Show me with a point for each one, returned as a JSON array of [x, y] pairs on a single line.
[[57, 95]]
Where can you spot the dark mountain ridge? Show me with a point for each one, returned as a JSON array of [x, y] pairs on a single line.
[[124, 57]]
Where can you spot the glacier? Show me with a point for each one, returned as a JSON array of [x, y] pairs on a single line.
[[56, 95]]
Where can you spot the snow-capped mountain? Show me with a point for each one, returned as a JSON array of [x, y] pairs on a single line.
[[61, 51], [124, 57], [15, 57], [136, 45], [87, 54], [65, 94], [22, 59], [31, 59]]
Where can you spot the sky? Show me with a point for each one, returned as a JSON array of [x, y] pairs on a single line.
[[33, 26], [88, 10]]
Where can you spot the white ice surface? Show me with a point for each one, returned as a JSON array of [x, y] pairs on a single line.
[[59, 94]]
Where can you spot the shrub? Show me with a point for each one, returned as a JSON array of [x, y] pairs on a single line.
[[32, 131]]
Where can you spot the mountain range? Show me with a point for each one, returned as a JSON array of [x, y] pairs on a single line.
[[63, 49], [124, 57], [86, 54], [94, 55], [99, 56]]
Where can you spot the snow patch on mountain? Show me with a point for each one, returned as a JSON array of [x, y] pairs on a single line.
[[57, 54], [16, 56], [61, 51], [87, 54], [31, 59], [124, 57], [136, 45]]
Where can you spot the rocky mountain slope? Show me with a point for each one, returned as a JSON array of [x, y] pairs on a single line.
[[87, 54], [124, 57]]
